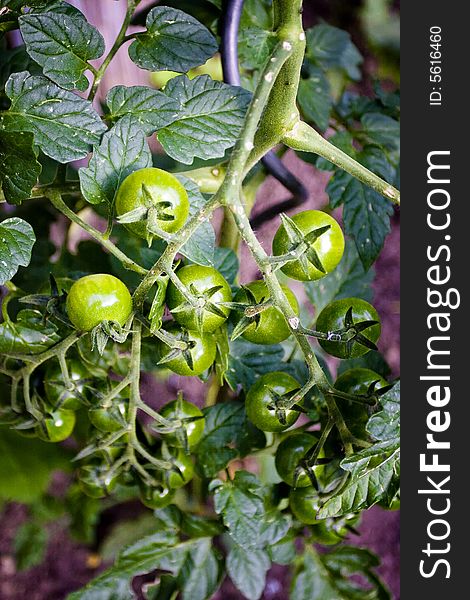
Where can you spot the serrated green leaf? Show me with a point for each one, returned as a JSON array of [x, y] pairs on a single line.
[[255, 45], [348, 280], [27, 466], [247, 570], [28, 334], [123, 150], [200, 247], [247, 361], [64, 126], [210, 118], [19, 167], [174, 41], [330, 47], [151, 108], [194, 562], [382, 130], [226, 436], [374, 471], [16, 243], [322, 576], [366, 213], [315, 99], [240, 503], [62, 44], [385, 425]]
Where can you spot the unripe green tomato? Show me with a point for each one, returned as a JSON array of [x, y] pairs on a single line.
[[290, 452], [272, 327], [332, 318], [333, 531], [92, 481], [181, 409], [149, 188], [57, 394], [57, 426], [96, 298], [213, 68], [109, 419], [203, 352], [305, 504], [260, 398], [156, 497], [329, 246], [200, 281], [175, 479], [357, 381]]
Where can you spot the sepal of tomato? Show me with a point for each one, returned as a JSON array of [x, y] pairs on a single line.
[[57, 393], [292, 459], [318, 239], [198, 357], [192, 423], [267, 326], [152, 197], [94, 482], [209, 289], [353, 327], [263, 400]]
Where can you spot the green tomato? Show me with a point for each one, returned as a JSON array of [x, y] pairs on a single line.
[[155, 497], [334, 317], [96, 298], [291, 452], [180, 409], [57, 394], [261, 398], [93, 481], [271, 326], [160, 193], [210, 288], [333, 531], [213, 68], [57, 426], [327, 248], [305, 504], [109, 419], [183, 462], [202, 348], [357, 381]]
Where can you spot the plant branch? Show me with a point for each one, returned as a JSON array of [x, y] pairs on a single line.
[[120, 39], [56, 200], [304, 138]]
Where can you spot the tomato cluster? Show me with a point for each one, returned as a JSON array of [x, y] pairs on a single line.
[[204, 306]]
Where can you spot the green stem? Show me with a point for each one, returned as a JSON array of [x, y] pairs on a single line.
[[165, 263], [304, 138], [56, 200], [134, 374], [120, 39]]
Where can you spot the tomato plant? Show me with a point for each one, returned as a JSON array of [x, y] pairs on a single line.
[[147, 325]]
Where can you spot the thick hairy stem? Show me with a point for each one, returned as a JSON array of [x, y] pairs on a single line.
[[304, 138], [56, 200]]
